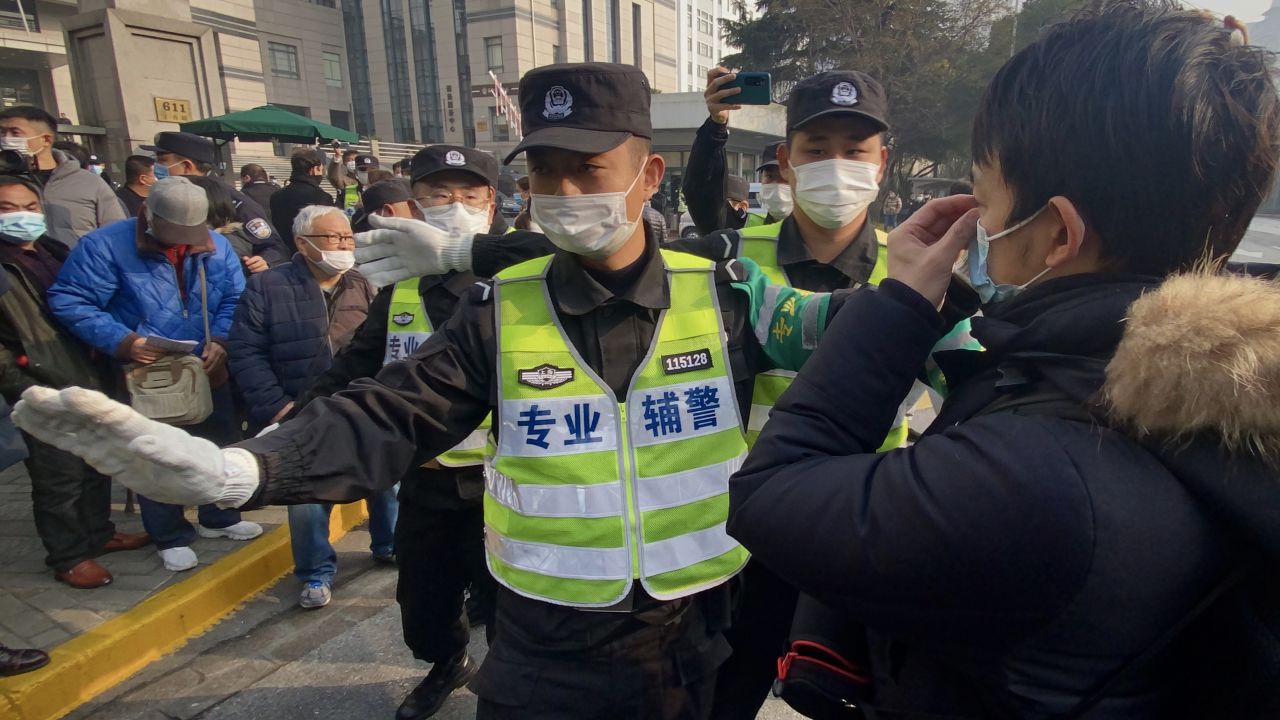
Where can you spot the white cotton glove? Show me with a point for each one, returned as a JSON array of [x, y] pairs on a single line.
[[160, 461], [402, 248]]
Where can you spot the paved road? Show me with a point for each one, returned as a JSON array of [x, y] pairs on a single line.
[[1262, 242], [273, 660]]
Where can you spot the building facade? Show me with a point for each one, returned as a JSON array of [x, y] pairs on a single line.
[[701, 44], [421, 70], [33, 56]]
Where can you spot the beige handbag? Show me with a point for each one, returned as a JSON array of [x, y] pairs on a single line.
[[174, 389]]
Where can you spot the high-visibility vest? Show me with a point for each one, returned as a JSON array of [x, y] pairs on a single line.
[[753, 220], [586, 494], [408, 326], [760, 244], [350, 198]]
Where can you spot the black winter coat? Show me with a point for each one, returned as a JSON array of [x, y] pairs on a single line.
[[1006, 564], [284, 334], [302, 190]]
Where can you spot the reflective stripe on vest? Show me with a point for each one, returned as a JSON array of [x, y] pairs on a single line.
[[585, 494], [408, 326], [761, 245]]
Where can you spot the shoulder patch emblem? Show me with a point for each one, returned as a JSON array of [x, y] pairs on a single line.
[[259, 228], [545, 376]]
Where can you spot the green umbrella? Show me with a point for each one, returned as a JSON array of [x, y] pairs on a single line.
[[267, 123]]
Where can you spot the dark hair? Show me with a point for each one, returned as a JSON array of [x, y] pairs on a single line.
[[254, 172], [75, 150], [31, 113], [348, 153], [304, 159], [523, 183], [135, 166], [222, 209], [1145, 116], [395, 166]]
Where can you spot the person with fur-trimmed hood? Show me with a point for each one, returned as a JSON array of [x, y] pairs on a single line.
[[1052, 545]]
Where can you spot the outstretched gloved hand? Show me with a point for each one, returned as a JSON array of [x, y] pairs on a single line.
[[402, 248], [160, 461]]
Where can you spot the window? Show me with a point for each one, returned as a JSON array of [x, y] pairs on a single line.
[[636, 35], [704, 23], [340, 118], [614, 29], [422, 40], [19, 16], [332, 69], [704, 50], [499, 130], [324, 3], [493, 53], [587, 54], [691, 69], [284, 60]]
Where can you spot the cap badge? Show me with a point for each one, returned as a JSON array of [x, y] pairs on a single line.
[[455, 158], [558, 105], [844, 93]]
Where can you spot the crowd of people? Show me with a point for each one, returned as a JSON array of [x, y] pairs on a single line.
[[670, 477]]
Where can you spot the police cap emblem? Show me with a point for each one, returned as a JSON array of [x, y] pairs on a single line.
[[454, 158], [844, 93], [558, 104], [545, 376]]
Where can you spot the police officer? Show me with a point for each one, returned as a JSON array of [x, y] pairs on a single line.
[[180, 153], [711, 194], [440, 530], [832, 163], [615, 370]]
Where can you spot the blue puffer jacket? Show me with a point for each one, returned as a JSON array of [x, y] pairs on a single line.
[[285, 334], [117, 285]]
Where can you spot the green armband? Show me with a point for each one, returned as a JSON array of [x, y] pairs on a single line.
[[788, 323]]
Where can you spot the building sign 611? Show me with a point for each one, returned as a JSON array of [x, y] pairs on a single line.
[[173, 110]]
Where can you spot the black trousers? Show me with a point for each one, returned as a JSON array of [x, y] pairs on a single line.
[[441, 554], [549, 662], [758, 636], [71, 503]]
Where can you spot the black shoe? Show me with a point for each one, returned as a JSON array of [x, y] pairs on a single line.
[[16, 662], [429, 696]]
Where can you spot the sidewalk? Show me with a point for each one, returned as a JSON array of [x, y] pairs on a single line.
[[37, 611]]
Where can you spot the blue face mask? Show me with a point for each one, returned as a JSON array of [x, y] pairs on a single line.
[[22, 226], [161, 171], [974, 268]]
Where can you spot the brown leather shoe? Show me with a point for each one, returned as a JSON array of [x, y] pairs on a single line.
[[85, 576], [125, 541], [17, 661]]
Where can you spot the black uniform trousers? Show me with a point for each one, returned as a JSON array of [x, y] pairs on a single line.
[[71, 503], [549, 662], [441, 554], [759, 633]]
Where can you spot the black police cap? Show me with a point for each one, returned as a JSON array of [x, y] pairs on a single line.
[[838, 92], [189, 146], [443, 158], [769, 158], [736, 188], [584, 107]]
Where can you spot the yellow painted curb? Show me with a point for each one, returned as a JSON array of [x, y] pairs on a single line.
[[97, 660]]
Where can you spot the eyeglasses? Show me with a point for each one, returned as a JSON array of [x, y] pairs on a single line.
[[336, 239], [474, 198]]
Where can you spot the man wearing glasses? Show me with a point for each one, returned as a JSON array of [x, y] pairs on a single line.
[[291, 321], [440, 533]]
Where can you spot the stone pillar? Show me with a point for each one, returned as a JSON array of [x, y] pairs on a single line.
[[124, 54]]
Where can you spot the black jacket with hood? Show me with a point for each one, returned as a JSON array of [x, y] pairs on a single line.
[[1008, 563]]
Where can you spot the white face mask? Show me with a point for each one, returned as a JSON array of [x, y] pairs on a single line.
[[593, 226], [456, 218], [362, 177], [833, 192], [776, 199], [334, 262], [21, 145], [351, 166]]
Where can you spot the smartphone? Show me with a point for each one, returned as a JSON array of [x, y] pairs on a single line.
[[757, 89]]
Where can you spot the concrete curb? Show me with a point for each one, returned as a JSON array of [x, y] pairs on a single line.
[[97, 660]]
